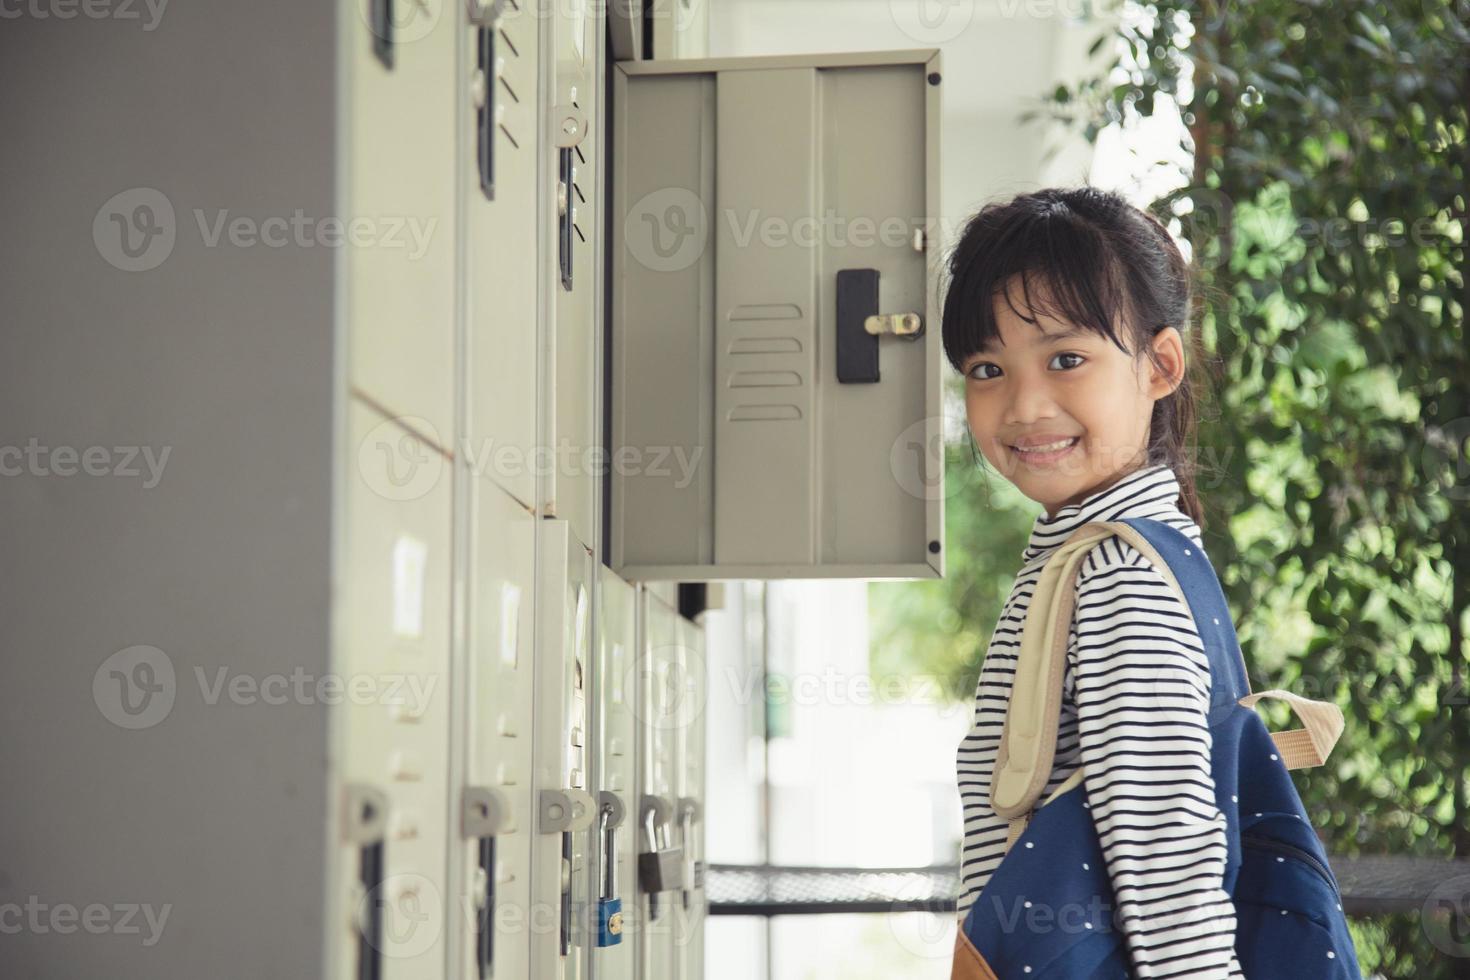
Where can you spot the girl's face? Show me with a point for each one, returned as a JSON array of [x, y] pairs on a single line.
[[1069, 389]]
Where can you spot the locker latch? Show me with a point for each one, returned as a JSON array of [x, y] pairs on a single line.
[[365, 823], [571, 124], [566, 811], [901, 324], [487, 111], [689, 812], [485, 814], [571, 127], [485, 14], [860, 325]]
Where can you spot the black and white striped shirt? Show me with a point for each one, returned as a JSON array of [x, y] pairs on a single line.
[[1134, 710]]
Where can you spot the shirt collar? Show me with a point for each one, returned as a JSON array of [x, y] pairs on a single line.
[[1149, 491]]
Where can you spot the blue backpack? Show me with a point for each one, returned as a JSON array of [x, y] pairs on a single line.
[[1289, 919]]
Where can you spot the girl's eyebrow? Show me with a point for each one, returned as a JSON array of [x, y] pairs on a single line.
[[1038, 338]]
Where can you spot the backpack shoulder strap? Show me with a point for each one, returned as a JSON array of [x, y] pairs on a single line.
[[1027, 749], [1028, 741], [1229, 686], [1189, 571]]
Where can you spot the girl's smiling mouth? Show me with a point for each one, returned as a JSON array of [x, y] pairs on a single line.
[[1045, 452]]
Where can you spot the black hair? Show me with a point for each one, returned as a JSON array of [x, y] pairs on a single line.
[[1103, 263]]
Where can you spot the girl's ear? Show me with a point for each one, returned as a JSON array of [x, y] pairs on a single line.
[[1168, 372]]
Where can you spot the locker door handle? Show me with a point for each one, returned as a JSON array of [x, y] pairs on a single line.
[[365, 810], [486, 78], [380, 15], [571, 129], [485, 814], [566, 194], [859, 326]]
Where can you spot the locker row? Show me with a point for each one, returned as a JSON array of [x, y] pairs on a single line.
[[541, 813]]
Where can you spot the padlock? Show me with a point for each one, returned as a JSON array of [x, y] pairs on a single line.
[[673, 871], [609, 905], [661, 867]]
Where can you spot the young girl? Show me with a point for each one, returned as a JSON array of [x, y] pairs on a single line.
[[1065, 314]]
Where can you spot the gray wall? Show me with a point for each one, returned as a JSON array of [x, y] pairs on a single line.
[[222, 357]]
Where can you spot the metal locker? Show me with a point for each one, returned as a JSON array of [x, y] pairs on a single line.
[[615, 773], [680, 28], [564, 807], [691, 907], [398, 207], [661, 685], [496, 820], [574, 214], [391, 627], [774, 353], [625, 30], [502, 135]]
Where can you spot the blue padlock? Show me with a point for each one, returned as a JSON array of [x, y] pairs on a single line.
[[609, 905]]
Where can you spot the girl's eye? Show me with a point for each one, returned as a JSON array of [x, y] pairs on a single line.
[[988, 364]]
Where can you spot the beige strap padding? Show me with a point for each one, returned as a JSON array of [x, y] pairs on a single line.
[[1028, 743], [1301, 748]]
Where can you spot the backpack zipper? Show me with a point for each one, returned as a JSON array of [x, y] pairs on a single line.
[[1305, 856]]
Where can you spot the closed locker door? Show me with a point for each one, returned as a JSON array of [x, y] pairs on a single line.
[[690, 907], [398, 207], [496, 822], [659, 675], [575, 268], [504, 196], [566, 811], [615, 683], [392, 636]]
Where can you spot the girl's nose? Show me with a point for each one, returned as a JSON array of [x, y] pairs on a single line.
[[1029, 403]]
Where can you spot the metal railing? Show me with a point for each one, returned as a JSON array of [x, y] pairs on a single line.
[[1370, 885]]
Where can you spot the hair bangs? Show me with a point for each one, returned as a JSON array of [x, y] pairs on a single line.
[[1052, 264]]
